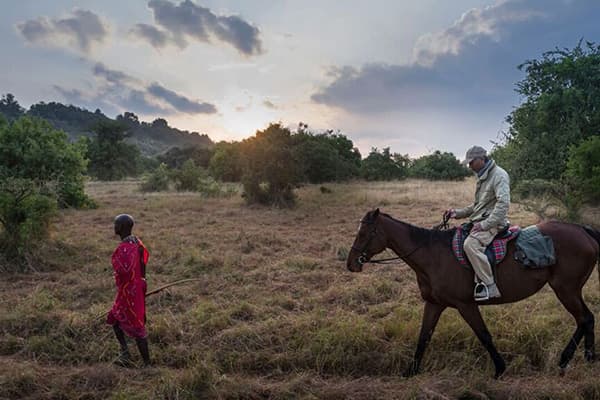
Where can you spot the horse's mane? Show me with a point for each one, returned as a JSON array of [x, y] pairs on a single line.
[[423, 236]]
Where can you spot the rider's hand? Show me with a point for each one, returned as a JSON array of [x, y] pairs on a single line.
[[476, 227], [450, 213]]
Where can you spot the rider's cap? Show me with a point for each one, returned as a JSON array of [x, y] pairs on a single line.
[[475, 152]]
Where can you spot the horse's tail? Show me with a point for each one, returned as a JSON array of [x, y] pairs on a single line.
[[596, 235]]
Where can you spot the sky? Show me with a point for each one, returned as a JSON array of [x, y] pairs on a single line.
[[415, 76]]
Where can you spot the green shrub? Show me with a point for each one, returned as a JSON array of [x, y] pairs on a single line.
[[31, 149], [384, 165], [157, 181], [189, 177], [583, 169], [270, 173], [438, 166]]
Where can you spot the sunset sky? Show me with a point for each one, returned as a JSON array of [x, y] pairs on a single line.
[[413, 75]]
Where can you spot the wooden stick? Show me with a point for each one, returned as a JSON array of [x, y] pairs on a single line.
[[161, 288], [157, 290]]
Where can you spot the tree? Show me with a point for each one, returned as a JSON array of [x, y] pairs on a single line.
[[175, 157], [438, 166], [39, 170], [10, 108], [31, 149], [561, 109], [225, 163], [583, 169], [384, 165], [325, 157], [110, 157], [269, 170]]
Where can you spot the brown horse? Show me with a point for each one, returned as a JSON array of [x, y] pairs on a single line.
[[445, 283]]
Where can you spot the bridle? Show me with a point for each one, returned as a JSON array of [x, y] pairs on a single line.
[[363, 258]]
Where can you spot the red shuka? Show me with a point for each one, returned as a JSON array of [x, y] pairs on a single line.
[[129, 308]]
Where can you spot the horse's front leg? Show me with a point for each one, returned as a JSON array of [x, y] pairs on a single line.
[[431, 316], [471, 314]]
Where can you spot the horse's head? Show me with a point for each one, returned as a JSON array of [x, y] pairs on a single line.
[[369, 241]]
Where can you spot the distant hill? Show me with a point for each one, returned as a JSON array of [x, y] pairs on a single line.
[[151, 138]]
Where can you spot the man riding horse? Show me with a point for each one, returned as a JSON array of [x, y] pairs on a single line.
[[488, 215]]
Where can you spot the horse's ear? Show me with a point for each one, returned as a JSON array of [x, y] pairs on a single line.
[[376, 213]]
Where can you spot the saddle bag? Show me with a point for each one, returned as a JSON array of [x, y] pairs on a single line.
[[533, 249]]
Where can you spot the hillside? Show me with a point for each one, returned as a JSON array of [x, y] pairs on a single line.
[[151, 138]]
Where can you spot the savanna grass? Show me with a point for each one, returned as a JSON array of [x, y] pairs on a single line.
[[275, 313]]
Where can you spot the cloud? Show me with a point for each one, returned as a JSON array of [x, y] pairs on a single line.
[[82, 29], [156, 37], [469, 67], [179, 102], [186, 21], [111, 75], [473, 25], [119, 91], [269, 104]]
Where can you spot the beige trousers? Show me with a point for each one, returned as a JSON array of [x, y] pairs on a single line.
[[475, 245]]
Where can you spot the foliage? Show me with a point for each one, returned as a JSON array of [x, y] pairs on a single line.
[[39, 170], [188, 177], [438, 166], [157, 181], [110, 157], [269, 170], [10, 107], [325, 157], [542, 196], [384, 165], [583, 168], [176, 157], [561, 109], [31, 149], [25, 212], [225, 163]]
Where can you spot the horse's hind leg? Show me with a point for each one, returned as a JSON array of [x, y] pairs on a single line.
[[584, 318]]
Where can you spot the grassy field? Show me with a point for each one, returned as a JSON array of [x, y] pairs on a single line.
[[276, 314]]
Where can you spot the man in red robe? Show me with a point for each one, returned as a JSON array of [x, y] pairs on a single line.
[[128, 313]]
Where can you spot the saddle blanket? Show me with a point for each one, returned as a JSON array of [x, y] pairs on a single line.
[[496, 251]]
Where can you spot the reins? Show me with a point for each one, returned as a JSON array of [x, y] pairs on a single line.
[[362, 259]]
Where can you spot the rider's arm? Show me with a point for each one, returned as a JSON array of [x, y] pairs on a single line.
[[464, 212]]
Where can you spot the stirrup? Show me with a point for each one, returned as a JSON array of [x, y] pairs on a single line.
[[483, 294]]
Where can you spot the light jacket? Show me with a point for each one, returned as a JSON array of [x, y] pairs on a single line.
[[492, 199]]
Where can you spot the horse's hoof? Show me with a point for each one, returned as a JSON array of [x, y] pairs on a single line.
[[562, 371], [590, 356], [499, 371], [409, 373]]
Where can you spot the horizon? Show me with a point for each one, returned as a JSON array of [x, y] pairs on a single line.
[[413, 77]]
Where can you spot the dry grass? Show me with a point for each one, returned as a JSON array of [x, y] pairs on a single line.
[[276, 314]]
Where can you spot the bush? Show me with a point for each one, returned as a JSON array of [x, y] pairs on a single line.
[[157, 181], [438, 166], [225, 163], [583, 169], [31, 149], [25, 213], [188, 177], [384, 165], [270, 173], [110, 157], [39, 170]]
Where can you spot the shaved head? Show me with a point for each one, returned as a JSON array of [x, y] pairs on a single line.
[[123, 225]]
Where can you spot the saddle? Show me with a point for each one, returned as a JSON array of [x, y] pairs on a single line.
[[495, 251]]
